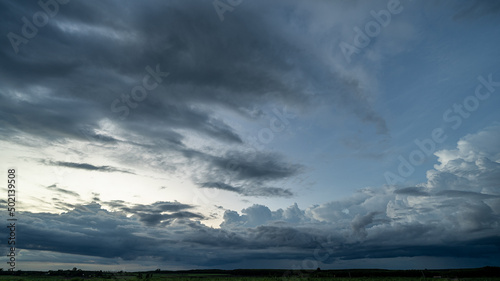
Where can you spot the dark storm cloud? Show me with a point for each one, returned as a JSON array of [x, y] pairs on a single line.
[[92, 231], [75, 232], [84, 166], [262, 166], [439, 219], [249, 174], [258, 166], [47, 118], [63, 82], [433, 220]]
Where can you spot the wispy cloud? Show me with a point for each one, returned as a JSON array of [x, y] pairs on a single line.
[[158, 213], [84, 166], [249, 190], [55, 188]]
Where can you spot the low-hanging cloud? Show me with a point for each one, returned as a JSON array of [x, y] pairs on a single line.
[[436, 218]]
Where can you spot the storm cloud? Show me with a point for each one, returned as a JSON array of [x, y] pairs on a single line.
[[52, 94], [112, 111]]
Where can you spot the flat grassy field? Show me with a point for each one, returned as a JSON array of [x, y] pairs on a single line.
[[472, 274], [199, 277]]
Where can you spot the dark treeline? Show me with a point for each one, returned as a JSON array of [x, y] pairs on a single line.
[[344, 273]]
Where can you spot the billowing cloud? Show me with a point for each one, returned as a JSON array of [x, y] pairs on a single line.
[[434, 219], [359, 223]]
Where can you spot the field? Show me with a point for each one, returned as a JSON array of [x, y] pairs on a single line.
[[230, 278], [479, 274]]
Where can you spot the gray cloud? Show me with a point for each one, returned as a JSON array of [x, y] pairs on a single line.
[[466, 194], [84, 166], [158, 213], [412, 191], [222, 186], [248, 174], [250, 190], [257, 165], [359, 223], [438, 219], [55, 188], [89, 230], [61, 205], [265, 166], [61, 85]]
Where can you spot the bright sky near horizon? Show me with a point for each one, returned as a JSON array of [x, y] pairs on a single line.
[[251, 134]]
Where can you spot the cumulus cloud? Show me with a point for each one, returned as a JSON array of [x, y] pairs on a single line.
[[359, 223], [437, 218], [256, 215], [458, 205], [472, 166]]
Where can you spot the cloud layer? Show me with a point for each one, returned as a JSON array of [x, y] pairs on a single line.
[[138, 95], [195, 71], [455, 213]]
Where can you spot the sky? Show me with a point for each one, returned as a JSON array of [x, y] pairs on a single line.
[[251, 134]]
